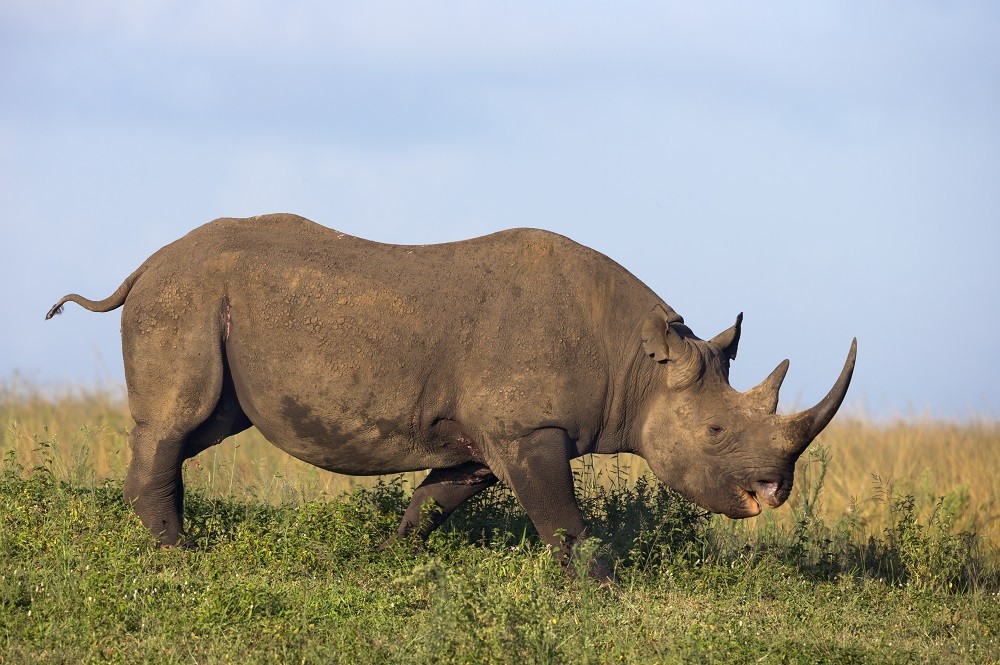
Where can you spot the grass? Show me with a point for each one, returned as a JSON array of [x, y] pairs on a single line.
[[868, 462], [287, 569]]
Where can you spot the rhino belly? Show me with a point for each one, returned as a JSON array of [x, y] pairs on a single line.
[[337, 410]]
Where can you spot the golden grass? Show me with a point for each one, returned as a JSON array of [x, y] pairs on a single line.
[[85, 435]]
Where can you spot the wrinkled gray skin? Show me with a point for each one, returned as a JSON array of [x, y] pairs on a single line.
[[500, 357]]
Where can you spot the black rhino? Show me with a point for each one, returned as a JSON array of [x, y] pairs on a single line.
[[500, 357]]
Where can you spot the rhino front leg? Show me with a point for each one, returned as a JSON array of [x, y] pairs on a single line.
[[537, 470], [437, 497]]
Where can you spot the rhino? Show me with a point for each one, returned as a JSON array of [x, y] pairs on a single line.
[[498, 358]]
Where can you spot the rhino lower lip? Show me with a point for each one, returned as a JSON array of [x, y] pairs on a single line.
[[750, 502]]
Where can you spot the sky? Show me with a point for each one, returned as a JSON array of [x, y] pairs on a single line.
[[831, 169]]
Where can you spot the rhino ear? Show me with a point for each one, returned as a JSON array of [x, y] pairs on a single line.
[[657, 337], [728, 340]]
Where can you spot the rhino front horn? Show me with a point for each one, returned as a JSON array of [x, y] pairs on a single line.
[[803, 427]]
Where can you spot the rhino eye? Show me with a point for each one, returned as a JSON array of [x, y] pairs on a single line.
[[716, 430]]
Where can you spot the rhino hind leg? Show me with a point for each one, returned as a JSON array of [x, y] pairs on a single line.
[[437, 497], [226, 420], [175, 382], [154, 485]]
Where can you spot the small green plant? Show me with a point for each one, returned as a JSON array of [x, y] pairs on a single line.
[[928, 552]]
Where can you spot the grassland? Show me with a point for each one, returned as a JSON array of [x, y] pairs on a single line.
[[888, 552]]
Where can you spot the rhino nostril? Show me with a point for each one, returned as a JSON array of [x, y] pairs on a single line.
[[768, 490]]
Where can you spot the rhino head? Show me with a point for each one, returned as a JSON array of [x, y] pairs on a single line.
[[722, 449]]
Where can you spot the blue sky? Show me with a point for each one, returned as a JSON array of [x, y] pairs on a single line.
[[830, 169]]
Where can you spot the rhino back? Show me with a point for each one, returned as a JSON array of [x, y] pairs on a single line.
[[365, 357]]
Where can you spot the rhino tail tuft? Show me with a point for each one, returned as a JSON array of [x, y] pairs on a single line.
[[56, 309]]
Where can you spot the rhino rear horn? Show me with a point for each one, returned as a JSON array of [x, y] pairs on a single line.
[[803, 427], [764, 396]]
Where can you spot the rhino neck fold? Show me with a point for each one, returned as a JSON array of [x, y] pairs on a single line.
[[631, 381]]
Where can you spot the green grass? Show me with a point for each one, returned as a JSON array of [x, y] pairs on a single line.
[[302, 581], [869, 460]]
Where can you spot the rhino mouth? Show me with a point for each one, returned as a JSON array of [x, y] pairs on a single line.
[[765, 493], [751, 504]]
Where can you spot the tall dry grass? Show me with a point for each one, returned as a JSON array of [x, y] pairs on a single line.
[[83, 435]]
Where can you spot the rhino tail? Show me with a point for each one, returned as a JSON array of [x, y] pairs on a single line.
[[114, 301]]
